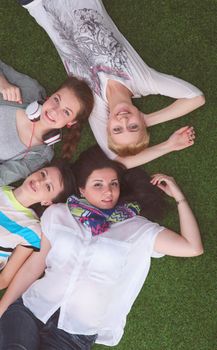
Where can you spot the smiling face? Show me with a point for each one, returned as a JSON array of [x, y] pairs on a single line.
[[60, 109], [41, 187], [102, 188], [126, 124]]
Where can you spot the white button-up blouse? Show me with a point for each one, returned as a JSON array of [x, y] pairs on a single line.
[[94, 280]]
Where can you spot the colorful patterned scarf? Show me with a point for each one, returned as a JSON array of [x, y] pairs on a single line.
[[99, 220]]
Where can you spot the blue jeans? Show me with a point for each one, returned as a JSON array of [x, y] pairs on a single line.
[[21, 330]]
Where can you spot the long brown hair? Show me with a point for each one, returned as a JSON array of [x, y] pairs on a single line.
[[84, 94]]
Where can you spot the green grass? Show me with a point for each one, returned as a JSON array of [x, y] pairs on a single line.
[[176, 309]]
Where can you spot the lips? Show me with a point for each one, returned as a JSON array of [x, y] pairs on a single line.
[[122, 111], [49, 117], [108, 203]]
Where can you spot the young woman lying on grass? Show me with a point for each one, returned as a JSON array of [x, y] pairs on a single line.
[[30, 139], [20, 231], [91, 46], [89, 252]]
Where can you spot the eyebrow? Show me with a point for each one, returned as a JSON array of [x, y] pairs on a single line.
[[115, 179], [47, 173], [59, 96], [121, 132], [134, 130]]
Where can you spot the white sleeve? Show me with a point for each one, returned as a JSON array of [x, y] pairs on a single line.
[[54, 215], [168, 85], [147, 235], [156, 229]]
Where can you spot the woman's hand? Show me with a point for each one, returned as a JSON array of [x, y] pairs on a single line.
[[9, 91], [168, 185], [181, 138]]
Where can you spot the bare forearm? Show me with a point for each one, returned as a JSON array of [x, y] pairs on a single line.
[[188, 226], [177, 109], [147, 155], [30, 271], [23, 279], [17, 259], [3, 282]]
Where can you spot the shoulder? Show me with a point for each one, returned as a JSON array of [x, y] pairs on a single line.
[[139, 228], [48, 152], [44, 152], [144, 235], [54, 210], [57, 218], [56, 214], [144, 223], [8, 108]]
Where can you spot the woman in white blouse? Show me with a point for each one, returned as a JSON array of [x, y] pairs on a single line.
[[89, 251]]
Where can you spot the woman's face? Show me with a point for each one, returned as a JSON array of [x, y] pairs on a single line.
[[60, 109], [125, 124], [43, 186], [102, 188]]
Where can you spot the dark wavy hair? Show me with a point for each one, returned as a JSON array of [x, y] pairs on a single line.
[[134, 183]]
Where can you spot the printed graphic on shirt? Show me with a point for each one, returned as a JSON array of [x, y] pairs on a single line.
[[87, 44]]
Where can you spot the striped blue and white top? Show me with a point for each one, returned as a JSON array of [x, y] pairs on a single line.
[[18, 225]]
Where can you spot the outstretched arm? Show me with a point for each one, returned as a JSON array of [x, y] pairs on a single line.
[[175, 110], [28, 273], [180, 139], [188, 243], [16, 260]]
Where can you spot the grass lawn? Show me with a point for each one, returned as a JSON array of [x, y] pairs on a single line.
[[176, 309]]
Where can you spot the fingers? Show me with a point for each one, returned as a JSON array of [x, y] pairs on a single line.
[[162, 181], [189, 130], [167, 184], [159, 178], [183, 129], [191, 135], [12, 94], [18, 95], [188, 136]]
